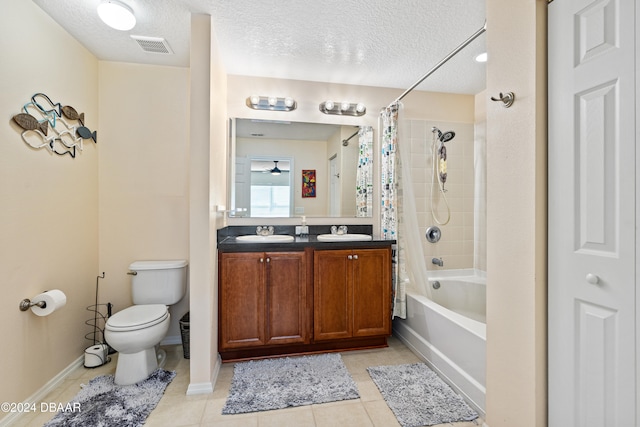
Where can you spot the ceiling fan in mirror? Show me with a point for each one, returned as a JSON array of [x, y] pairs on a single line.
[[275, 170]]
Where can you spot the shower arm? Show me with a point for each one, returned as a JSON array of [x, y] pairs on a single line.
[[442, 62]]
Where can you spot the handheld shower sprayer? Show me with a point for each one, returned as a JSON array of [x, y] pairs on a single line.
[[439, 155]]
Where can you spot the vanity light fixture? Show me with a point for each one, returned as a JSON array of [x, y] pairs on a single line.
[[117, 15], [343, 108], [271, 103]]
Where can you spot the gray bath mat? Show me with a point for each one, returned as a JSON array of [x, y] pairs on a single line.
[[418, 397], [101, 403], [269, 384]]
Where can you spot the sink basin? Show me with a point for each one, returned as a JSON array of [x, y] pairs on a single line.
[[343, 237], [273, 238]]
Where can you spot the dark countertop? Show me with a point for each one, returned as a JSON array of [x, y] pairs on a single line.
[[227, 239]]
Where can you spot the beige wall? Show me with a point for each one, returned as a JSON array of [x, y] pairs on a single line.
[[49, 214], [516, 215], [143, 175], [208, 184]]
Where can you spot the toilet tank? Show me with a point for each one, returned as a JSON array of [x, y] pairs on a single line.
[[158, 282]]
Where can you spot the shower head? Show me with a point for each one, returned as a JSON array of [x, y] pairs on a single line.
[[443, 137], [447, 136]]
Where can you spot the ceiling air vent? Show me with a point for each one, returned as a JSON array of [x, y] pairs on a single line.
[[153, 44]]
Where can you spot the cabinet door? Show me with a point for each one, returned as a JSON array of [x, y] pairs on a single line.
[[286, 291], [332, 295], [371, 292], [242, 304]]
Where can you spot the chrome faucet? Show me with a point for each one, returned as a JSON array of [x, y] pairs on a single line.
[[264, 231], [339, 230], [437, 261]]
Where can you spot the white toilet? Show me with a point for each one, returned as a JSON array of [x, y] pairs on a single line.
[[136, 331]]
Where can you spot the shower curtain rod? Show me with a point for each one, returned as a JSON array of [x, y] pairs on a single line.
[[347, 140], [442, 62]]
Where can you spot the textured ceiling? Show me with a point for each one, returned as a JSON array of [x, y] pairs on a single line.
[[361, 42]]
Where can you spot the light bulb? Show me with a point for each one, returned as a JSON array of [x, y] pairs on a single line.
[[288, 102], [360, 107], [273, 100], [328, 105], [117, 15], [255, 99], [345, 106]]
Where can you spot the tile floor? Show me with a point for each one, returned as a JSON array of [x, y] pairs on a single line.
[[178, 410]]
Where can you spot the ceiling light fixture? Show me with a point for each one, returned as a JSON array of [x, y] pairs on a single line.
[[117, 15], [481, 57], [343, 108], [271, 103]]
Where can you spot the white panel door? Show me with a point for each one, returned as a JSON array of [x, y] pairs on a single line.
[[592, 276]]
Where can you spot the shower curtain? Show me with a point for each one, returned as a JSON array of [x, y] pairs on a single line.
[[364, 174], [398, 211]]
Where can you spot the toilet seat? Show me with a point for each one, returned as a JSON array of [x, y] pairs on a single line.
[[137, 317]]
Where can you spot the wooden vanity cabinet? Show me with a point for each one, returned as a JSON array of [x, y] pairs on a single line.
[[263, 299], [352, 293]]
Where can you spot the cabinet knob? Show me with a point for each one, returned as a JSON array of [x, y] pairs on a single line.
[[593, 279], [268, 259], [349, 256], [355, 257], [261, 259]]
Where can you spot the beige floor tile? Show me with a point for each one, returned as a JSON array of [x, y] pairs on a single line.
[[346, 413], [380, 414], [176, 409], [251, 421], [213, 412], [368, 390], [291, 417], [174, 413]]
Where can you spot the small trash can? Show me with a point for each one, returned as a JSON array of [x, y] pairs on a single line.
[[184, 332]]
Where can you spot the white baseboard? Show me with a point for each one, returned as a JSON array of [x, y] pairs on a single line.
[[206, 388], [200, 388], [172, 340], [39, 395]]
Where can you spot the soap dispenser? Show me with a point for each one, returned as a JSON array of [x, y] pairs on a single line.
[[303, 230]]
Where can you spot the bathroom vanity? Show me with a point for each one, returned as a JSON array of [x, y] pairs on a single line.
[[303, 296]]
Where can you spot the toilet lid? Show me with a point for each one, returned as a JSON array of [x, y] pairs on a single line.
[[137, 317]]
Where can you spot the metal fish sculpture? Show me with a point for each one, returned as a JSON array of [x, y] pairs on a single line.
[[28, 122], [71, 113], [84, 133], [57, 108]]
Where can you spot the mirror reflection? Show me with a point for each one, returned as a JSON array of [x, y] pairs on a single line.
[[285, 169]]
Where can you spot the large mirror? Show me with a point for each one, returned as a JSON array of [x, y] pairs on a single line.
[[286, 169]]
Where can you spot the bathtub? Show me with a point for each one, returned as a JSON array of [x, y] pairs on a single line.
[[448, 331]]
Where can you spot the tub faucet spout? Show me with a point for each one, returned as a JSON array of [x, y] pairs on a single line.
[[437, 261]]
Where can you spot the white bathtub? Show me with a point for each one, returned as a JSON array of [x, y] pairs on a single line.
[[451, 339]]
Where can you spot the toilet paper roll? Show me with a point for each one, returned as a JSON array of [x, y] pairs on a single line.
[[53, 299]]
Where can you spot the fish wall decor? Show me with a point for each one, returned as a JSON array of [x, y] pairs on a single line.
[[51, 125]]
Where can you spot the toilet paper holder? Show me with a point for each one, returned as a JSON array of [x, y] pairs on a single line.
[[26, 304]]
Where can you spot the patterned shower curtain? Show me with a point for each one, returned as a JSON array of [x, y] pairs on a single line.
[[364, 174], [389, 199]]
